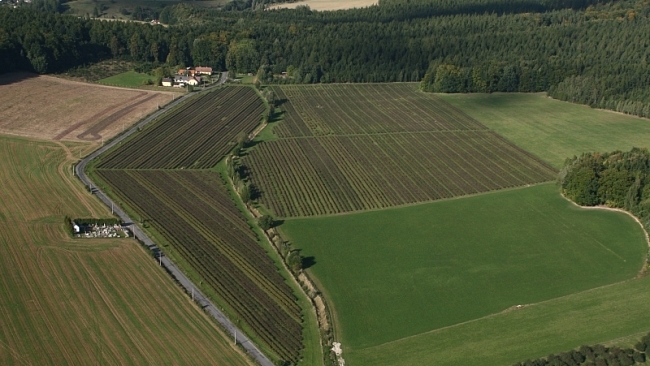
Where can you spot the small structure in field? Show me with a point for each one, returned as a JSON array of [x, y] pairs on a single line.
[[97, 228], [167, 82]]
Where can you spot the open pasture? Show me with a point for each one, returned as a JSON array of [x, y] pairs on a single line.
[[395, 274], [197, 217], [84, 302], [552, 129], [128, 79], [346, 148], [609, 315], [195, 135], [50, 108]]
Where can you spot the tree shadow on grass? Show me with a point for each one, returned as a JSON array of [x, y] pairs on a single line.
[[308, 262]]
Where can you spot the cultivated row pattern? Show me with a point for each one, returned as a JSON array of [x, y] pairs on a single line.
[[196, 215], [365, 108], [356, 147], [197, 135], [162, 175]]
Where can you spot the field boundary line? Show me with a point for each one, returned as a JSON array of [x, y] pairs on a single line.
[[504, 311], [415, 203]]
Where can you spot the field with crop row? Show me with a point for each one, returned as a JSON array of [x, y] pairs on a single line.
[[194, 136], [395, 146], [66, 301], [365, 109], [195, 213]]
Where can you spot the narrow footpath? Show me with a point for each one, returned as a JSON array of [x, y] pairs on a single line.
[[183, 280]]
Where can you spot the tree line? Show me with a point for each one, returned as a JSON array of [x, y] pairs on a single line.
[[597, 355], [584, 51], [616, 179]]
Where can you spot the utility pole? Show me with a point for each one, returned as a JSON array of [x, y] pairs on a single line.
[[160, 257], [235, 336], [192, 293]]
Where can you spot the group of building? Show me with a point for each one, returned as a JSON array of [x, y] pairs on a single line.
[[188, 76]]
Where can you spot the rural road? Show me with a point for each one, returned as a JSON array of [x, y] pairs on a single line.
[[183, 280]]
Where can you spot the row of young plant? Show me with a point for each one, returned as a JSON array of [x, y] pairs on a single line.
[[334, 110], [196, 135], [204, 238], [291, 257], [325, 175], [597, 355]]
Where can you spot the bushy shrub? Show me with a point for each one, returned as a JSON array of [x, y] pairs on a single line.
[[265, 222]]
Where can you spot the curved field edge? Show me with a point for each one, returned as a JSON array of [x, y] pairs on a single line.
[[77, 301], [604, 315], [385, 286]]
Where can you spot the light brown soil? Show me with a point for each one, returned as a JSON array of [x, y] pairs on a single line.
[[49, 108], [68, 301]]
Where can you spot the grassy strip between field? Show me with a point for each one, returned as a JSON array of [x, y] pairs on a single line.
[[397, 273], [312, 353], [551, 129]]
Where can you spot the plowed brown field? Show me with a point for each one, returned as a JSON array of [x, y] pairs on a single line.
[[50, 108], [84, 302]]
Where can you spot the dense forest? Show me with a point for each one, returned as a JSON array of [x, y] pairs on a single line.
[[585, 51], [617, 179]]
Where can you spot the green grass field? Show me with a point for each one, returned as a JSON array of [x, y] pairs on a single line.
[[402, 272], [551, 129], [611, 315], [129, 79]]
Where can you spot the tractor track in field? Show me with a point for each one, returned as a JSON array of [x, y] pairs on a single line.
[[199, 297]]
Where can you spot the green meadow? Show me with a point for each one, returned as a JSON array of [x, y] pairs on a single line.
[[406, 273], [129, 79], [609, 315], [551, 129]]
